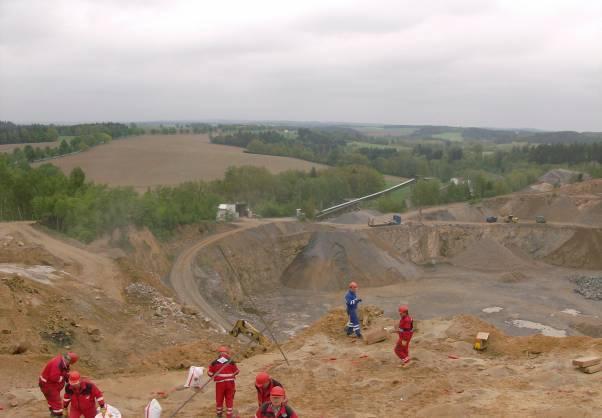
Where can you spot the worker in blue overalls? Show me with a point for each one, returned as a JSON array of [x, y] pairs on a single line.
[[351, 300]]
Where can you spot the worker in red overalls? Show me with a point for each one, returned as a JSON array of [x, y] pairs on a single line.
[[223, 370], [406, 330], [53, 378], [276, 407], [264, 384], [82, 395]]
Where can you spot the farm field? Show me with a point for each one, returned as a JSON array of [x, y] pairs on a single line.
[[11, 147], [154, 160]]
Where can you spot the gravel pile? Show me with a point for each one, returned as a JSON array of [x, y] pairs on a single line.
[[148, 295], [589, 287]]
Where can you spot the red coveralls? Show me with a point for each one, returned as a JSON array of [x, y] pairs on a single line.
[[263, 394], [83, 400], [52, 381], [224, 371], [268, 411], [406, 330]]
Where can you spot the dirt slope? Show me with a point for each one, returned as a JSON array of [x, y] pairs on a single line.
[[331, 375]]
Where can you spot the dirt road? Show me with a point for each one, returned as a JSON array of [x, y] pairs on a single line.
[[96, 270], [182, 278]]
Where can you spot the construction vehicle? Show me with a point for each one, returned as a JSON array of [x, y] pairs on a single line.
[[396, 220], [244, 327], [511, 219], [540, 219]]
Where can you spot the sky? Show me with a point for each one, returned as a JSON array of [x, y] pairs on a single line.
[[502, 63]]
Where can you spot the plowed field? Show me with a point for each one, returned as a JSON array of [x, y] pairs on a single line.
[[154, 160]]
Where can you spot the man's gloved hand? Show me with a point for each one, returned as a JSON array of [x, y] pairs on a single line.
[[103, 410], [359, 300], [65, 412]]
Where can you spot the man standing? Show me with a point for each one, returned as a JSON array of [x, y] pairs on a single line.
[[223, 370], [276, 407], [351, 301], [82, 395], [53, 379], [406, 330], [264, 384]]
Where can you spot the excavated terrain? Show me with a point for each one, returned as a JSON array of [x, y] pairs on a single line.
[[140, 312]]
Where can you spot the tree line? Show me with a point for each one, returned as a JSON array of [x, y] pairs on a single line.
[[11, 133], [84, 210]]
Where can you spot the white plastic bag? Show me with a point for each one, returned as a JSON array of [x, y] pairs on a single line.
[[112, 412], [152, 410], [194, 377]]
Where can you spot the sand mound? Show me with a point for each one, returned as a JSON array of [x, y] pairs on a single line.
[[583, 250], [487, 254], [332, 258], [360, 217], [465, 327]]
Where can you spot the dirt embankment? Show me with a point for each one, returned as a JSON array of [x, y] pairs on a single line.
[[57, 295], [579, 203], [322, 258]]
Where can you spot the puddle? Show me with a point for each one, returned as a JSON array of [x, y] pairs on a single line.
[[40, 274], [573, 312], [545, 330], [493, 309]]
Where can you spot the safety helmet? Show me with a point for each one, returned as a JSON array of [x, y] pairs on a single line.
[[223, 349], [277, 391], [403, 309], [73, 357], [352, 285], [261, 379], [74, 378]]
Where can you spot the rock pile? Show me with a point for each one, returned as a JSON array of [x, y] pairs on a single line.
[[589, 287]]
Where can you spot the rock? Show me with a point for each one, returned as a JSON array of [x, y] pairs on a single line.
[[20, 348], [189, 310], [6, 331], [13, 403], [20, 243], [93, 331], [96, 338]]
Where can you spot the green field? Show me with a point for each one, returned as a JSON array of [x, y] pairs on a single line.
[[399, 147], [450, 136], [382, 131]]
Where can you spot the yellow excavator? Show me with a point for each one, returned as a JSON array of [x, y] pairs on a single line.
[[244, 327]]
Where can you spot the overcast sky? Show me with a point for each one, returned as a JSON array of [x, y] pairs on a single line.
[[458, 62]]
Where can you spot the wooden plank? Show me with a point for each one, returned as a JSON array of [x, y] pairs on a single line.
[[593, 369], [587, 361], [375, 336]]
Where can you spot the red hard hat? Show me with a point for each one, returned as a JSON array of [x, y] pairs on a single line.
[[261, 379], [223, 349], [403, 309], [277, 391], [74, 378], [73, 357], [352, 285]]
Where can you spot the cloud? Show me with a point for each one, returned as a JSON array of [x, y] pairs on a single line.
[[466, 62]]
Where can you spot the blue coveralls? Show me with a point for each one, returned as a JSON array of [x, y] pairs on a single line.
[[351, 300]]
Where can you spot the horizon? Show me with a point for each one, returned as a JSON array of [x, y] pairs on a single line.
[[291, 122]]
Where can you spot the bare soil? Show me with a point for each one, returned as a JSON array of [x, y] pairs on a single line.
[[11, 147], [156, 160]]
